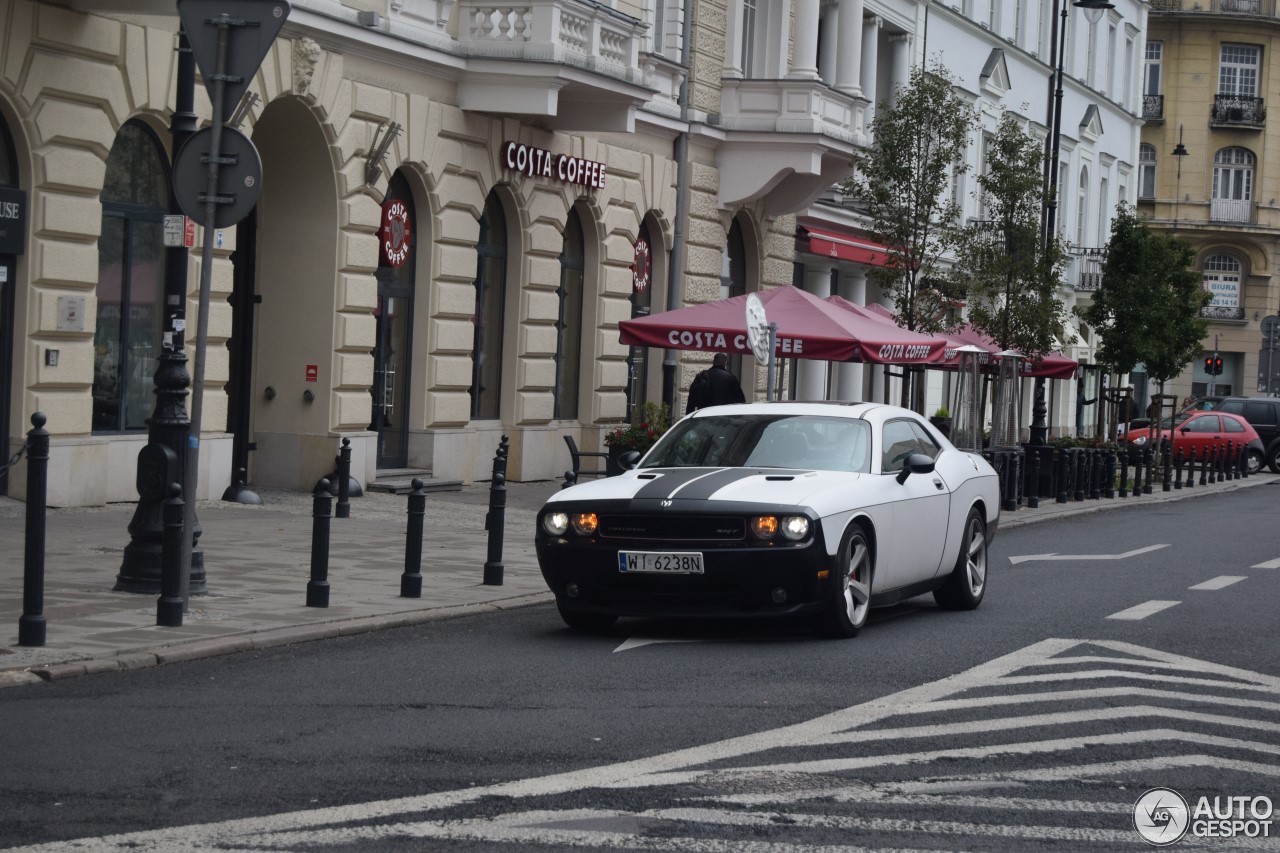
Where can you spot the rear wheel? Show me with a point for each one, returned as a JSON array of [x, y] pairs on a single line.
[[851, 590], [967, 584], [588, 623], [1273, 459]]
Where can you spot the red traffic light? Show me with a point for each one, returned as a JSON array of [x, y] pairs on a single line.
[[1208, 364], [1217, 366]]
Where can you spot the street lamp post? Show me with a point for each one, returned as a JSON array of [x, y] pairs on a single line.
[[1093, 10]]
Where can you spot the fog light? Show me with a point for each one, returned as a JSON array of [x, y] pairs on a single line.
[[571, 589], [779, 595]]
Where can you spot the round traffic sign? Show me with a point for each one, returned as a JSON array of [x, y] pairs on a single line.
[[757, 329], [239, 176]]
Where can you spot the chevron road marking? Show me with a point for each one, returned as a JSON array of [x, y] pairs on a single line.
[[1135, 552], [771, 774]]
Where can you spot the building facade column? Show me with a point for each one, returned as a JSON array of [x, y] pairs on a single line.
[[870, 62], [851, 376], [829, 48], [849, 47], [900, 62], [804, 53], [811, 374]]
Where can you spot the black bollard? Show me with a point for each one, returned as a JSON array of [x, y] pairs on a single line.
[[1109, 474], [1166, 466], [1191, 468], [1204, 467], [1033, 497], [1060, 467], [1095, 474], [1177, 469], [411, 580], [1148, 461], [1124, 473], [169, 605], [1244, 460], [343, 509], [495, 521], [31, 624], [318, 586], [1081, 460]]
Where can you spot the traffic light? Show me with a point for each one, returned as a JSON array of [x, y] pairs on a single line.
[[1208, 365], [1213, 365], [1217, 365]]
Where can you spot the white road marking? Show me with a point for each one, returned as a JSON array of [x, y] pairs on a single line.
[[1269, 564], [637, 642], [1055, 556], [1142, 611], [1219, 582], [778, 755]]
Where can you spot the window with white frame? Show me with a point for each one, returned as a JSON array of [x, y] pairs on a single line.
[[1238, 70], [1146, 171], [994, 11], [1082, 206], [1151, 68], [1090, 58], [1019, 21], [1221, 277], [1104, 191], [1110, 60], [668, 17], [750, 20], [1232, 184], [1128, 70]]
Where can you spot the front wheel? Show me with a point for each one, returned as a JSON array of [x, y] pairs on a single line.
[[1273, 459], [850, 599], [1255, 461], [967, 583], [587, 623]]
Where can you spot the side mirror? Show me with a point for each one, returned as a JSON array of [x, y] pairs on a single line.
[[629, 459], [917, 463]]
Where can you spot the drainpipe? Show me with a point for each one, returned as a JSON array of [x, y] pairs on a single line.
[[675, 274]]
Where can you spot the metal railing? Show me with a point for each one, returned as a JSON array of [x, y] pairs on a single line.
[[1219, 312], [1153, 107], [1231, 210], [1241, 110], [1086, 267]]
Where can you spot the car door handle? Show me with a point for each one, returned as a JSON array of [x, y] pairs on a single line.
[[937, 483]]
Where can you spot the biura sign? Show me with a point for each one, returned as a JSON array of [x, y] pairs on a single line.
[[13, 221]]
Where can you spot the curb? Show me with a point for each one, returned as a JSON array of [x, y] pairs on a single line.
[[201, 649]]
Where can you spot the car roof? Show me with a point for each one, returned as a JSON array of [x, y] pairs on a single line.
[[804, 407]]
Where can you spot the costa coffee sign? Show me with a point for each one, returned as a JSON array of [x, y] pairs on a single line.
[[395, 232], [13, 219], [540, 163]]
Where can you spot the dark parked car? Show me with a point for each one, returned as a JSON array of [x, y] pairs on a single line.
[[1263, 414]]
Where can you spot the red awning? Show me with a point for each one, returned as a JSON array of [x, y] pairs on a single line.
[[807, 328], [845, 246]]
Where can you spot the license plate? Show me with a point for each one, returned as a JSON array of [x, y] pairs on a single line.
[[661, 562]]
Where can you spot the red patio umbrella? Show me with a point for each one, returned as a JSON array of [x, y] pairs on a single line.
[[807, 328]]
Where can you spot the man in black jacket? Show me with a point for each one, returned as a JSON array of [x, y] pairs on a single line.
[[714, 386]]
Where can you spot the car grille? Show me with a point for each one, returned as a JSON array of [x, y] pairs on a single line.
[[679, 528]]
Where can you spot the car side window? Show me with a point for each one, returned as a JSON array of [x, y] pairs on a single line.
[[900, 441], [1232, 425], [1231, 407], [1260, 413], [928, 446], [1204, 423]]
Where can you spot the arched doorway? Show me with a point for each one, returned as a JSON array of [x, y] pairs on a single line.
[[12, 227], [491, 297], [393, 341]]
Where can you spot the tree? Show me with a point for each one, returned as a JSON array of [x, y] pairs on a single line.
[[1008, 277], [902, 178], [1147, 308]]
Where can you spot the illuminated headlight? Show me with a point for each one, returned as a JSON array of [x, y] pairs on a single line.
[[1140, 440], [585, 523], [764, 526], [555, 523], [795, 527]]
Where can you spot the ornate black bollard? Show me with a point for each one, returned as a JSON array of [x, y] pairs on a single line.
[[495, 520], [1033, 497], [31, 624], [1060, 477], [1109, 475], [1177, 469], [318, 586], [169, 605], [1124, 473], [343, 509], [1148, 460], [1166, 466], [411, 579], [1191, 468]]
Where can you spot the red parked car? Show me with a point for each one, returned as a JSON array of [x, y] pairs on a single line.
[[1201, 430]]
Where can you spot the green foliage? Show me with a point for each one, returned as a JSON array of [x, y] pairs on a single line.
[[943, 412], [1009, 278], [1147, 308], [650, 423], [902, 179]]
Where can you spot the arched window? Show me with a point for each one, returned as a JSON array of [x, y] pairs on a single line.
[[569, 320], [1232, 185], [491, 291], [1222, 280], [1082, 206], [1146, 171], [131, 270]]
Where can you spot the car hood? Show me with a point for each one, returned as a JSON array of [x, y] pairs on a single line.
[[749, 485]]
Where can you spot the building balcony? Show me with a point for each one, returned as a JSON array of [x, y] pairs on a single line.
[[1231, 210], [787, 141], [1237, 111], [1153, 107], [1220, 312], [1084, 267], [1258, 8]]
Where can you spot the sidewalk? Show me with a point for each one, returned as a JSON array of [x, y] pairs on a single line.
[[257, 559]]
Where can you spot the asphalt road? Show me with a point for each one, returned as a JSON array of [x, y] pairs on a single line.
[[1037, 720]]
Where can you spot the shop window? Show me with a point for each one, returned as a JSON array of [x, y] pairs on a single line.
[[569, 321], [131, 273], [491, 291]]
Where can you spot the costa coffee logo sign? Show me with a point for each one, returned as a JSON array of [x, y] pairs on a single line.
[[539, 163], [396, 231], [640, 267]]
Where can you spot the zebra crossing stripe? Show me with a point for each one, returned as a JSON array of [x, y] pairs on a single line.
[[1142, 611], [1269, 564], [1219, 582]]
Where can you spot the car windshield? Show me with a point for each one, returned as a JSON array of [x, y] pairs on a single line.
[[766, 441]]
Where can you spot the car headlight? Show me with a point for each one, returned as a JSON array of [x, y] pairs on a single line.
[[585, 523], [792, 527], [1140, 440], [795, 527], [555, 523]]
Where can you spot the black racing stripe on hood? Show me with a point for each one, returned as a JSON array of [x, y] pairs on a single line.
[[669, 480], [705, 483]]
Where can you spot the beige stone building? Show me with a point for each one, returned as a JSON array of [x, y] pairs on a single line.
[[1208, 76]]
